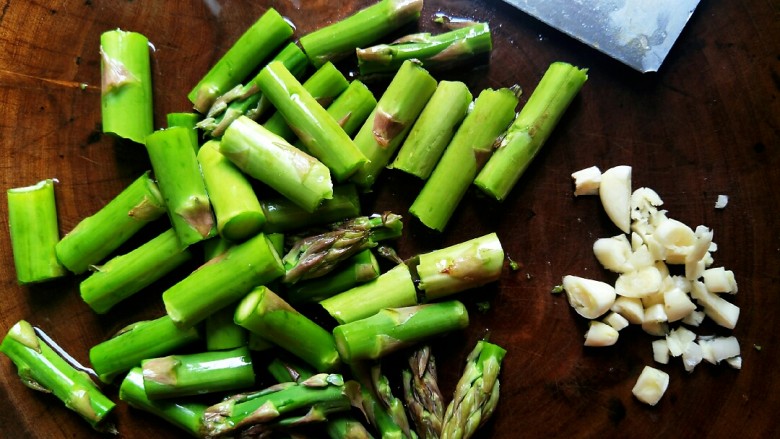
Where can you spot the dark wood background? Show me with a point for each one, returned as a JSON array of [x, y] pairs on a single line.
[[707, 124]]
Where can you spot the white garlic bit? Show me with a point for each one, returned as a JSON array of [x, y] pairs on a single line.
[[715, 307], [722, 201], [676, 238], [590, 298], [587, 181], [651, 385], [660, 351], [616, 321], [613, 253], [615, 195], [720, 280], [631, 308], [639, 283], [600, 334], [717, 349]]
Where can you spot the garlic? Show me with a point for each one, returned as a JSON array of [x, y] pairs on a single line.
[[676, 238], [651, 385], [655, 327], [694, 318], [613, 253], [715, 307], [735, 362], [600, 334], [720, 280], [717, 349], [631, 308], [678, 340], [660, 351], [677, 304], [692, 356], [639, 283], [615, 194], [587, 181], [590, 298], [616, 321], [722, 201]]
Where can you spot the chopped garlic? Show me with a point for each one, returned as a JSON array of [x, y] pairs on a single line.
[[590, 298], [717, 349], [660, 351], [631, 308], [653, 327], [616, 321], [720, 280], [677, 304], [722, 201], [613, 253], [600, 334], [651, 385], [694, 318], [692, 356], [715, 307], [735, 362], [676, 238], [639, 283], [615, 194], [587, 181], [679, 339]]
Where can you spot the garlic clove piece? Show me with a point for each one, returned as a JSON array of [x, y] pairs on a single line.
[[651, 385], [600, 334], [615, 194], [587, 181], [590, 298]]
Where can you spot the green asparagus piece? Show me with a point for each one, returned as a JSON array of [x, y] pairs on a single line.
[[476, 393], [32, 222], [97, 236], [434, 52], [126, 84], [142, 340], [392, 329], [317, 255], [257, 42], [464, 157], [285, 370], [269, 158], [258, 344], [195, 374], [268, 315], [222, 281], [364, 27], [392, 405], [214, 247], [186, 415], [236, 206], [127, 274], [392, 119], [222, 332], [320, 133], [434, 129], [392, 289], [352, 107], [422, 395], [538, 117], [42, 369], [358, 269], [282, 215], [378, 417], [189, 121]]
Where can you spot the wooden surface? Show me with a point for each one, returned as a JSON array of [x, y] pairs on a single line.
[[707, 124]]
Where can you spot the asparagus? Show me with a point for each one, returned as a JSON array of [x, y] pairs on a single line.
[[42, 369], [257, 42], [268, 315], [340, 39], [32, 223], [476, 393], [285, 370], [189, 121], [186, 415], [432, 51], [282, 215], [222, 281], [467, 152], [393, 406], [198, 373], [97, 236], [222, 332], [269, 158], [257, 343], [142, 340], [422, 395], [378, 417], [236, 207], [558, 87], [126, 85], [391, 120], [434, 129], [321, 134], [358, 269], [317, 255], [392, 329], [352, 107], [125, 275]]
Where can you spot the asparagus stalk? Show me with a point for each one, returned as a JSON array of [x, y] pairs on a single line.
[[282, 215], [378, 417], [196, 374], [126, 84], [189, 121], [269, 158], [392, 119], [97, 236], [392, 405], [464, 157], [125, 275], [222, 281], [257, 343], [321, 134], [222, 332], [434, 52], [352, 107], [142, 340], [42, 369], [358, 269], [392, 289], [422, 395], [392, 329], [538, 117], [340, 39], [268, 315], [32, 223], [236, 206], [285, 370], [434, 129], [476, 393], [186, 415], [317, 255], [257, 42]]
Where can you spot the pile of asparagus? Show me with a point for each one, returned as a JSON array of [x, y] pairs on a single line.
[[321, 143]]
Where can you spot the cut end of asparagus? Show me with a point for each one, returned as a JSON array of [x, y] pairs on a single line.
[[405, 10], [197, 213], [386, 128], [114, 74], [161, 370]]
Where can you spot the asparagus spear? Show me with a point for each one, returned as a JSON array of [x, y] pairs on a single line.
[[358, 269], [222, 332], [467, 152], [422, 395], [198, 373], [257, 42], [125, 275], [391, 120], [126, 84], [557, 88], [32, 223], [340, 39], [137, 342], [42, 369], [97, 236], [352, 107], [392, 405], [434, 52], [222, 281], [236, 207], [269, 158], [268, 315], [434, 129], [476, 393], [378, 417], [286, 370], [186, 415], [321, 134], [189, 121], [282, 215], [392, 329]]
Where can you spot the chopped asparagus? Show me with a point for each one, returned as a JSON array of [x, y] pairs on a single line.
[[222, 332], [358, 269], [189, 121], [422, 395], [282, 215]]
